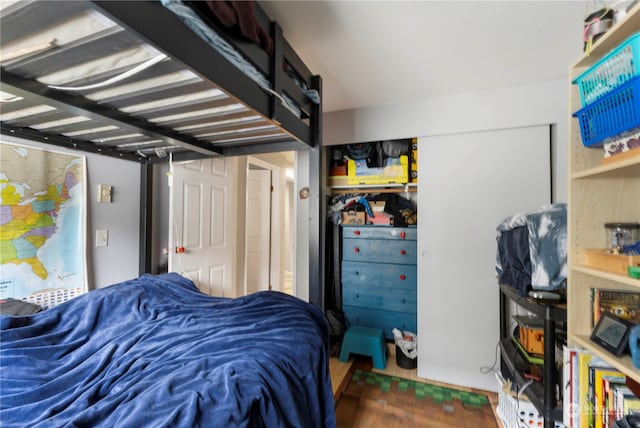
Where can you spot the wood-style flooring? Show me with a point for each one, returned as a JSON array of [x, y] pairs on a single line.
[[340, 377]]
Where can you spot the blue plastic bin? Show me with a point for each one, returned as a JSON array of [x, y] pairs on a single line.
[[610, 115], [611, 71]]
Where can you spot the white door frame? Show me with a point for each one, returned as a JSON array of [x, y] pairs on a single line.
[[276, 198]]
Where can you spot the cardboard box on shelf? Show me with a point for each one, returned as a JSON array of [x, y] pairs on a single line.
[[353, 217]]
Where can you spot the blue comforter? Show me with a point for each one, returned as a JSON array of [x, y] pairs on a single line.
[[156, 352]]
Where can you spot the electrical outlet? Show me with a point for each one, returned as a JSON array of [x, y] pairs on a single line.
[[102, 238], [104, 193]]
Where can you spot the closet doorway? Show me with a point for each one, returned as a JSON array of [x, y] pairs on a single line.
[[269, 226]]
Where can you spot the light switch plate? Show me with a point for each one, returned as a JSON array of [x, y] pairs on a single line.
[[102, 238], [104, 193]]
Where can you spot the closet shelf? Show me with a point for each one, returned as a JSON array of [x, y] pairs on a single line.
[[374, 188]]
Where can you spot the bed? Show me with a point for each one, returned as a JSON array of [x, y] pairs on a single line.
[[154, 82], [143, 79], [154, 351]]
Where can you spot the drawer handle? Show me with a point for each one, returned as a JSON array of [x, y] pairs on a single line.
[[356, 232], [404, 300], [402, 235], [403, 252], [402, 277], [357, 250], [356, 273]]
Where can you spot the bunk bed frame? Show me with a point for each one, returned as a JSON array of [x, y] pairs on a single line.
[[239, 117]]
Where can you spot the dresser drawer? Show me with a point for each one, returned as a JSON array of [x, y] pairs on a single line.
[[359, 274], [385, 320], [379, 250], [380, 232], [382, 298]]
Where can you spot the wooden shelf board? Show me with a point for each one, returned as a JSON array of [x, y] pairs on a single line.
[[612, 38], [627, 280], [624, 167], [623, 363]]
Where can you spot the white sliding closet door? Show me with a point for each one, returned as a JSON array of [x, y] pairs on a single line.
[[468, 184]]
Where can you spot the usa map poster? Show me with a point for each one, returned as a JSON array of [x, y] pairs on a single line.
[[42, 224]]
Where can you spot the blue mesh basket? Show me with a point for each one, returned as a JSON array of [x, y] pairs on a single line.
[[610, 115], [611, 71]]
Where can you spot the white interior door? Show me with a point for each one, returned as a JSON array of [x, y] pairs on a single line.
[[258, 230], [202, 200], [468, 184]]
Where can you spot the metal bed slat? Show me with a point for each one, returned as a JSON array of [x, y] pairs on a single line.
[[15, 106], [205, 118], [260, 139], [159, 69], [153, 93], [35, 119], [51, 116], [258, 134], [106, 42], [127, 141], [103, 135], [228, 127], [185, 107], [38, 15], [84, 107]]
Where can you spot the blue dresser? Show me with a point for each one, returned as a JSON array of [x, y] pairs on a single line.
[[379, 277]]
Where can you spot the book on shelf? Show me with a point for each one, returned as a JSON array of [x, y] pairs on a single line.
[[570, 417], [595, 395], [598, 399], [624, 304], [609, 387]]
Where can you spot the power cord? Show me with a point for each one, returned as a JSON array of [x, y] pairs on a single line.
[[492, 368]]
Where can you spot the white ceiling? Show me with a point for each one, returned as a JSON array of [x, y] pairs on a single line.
[[372, 53]]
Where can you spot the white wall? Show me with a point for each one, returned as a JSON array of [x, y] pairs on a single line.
[[538, 104], [118, 261]]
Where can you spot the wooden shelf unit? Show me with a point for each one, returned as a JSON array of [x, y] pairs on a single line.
[[598, 193]]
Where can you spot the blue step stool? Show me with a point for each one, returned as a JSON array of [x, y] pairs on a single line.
[[365, 341]]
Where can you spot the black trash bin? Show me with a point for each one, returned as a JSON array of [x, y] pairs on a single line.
[[405, 362], [406, 349]]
